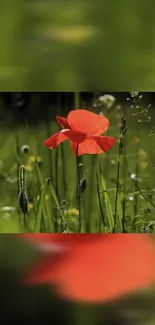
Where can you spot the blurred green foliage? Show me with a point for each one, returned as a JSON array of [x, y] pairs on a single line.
[[80, 44]]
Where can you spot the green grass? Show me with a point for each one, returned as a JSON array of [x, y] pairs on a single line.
[[51, 183]]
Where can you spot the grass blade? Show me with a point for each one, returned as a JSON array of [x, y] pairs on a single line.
[[107, 201]]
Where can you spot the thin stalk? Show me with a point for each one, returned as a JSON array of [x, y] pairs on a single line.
[[48, 132], [57, 151], [124, 181], [124, 191], [123, 130], [100, 205], [137, 172], [56, 168], [89, 203], [63, 158], [78, 189], [63, 170], [117, 187], [108, 207], [78, 161]]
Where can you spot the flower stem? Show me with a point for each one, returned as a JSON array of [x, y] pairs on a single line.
[[78, 190], [124, 180], [124, 191], [123, 130], [137, 170], [117, 190], [78, 161]]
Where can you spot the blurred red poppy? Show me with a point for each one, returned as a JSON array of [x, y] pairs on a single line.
[[93, 268], [83, 129]]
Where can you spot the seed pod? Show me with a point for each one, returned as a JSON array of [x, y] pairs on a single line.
[[83, 185], [22, 197], [23, 202]]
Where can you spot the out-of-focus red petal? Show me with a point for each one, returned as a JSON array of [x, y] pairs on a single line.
[[46, 269], [87, 122], [95, 145], [63, 122], [98, 270], [53, 141], [36, 238], [108, 269], [69, 240], [42, 271]]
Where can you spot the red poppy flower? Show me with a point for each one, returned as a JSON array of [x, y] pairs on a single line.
[[93, 268], [82, 128]]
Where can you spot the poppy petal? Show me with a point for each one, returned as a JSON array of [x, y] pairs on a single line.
[[86, 147], [63, 122], [105, 143], [53, 141], [95, 145], [108, 269], [85, 121]]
